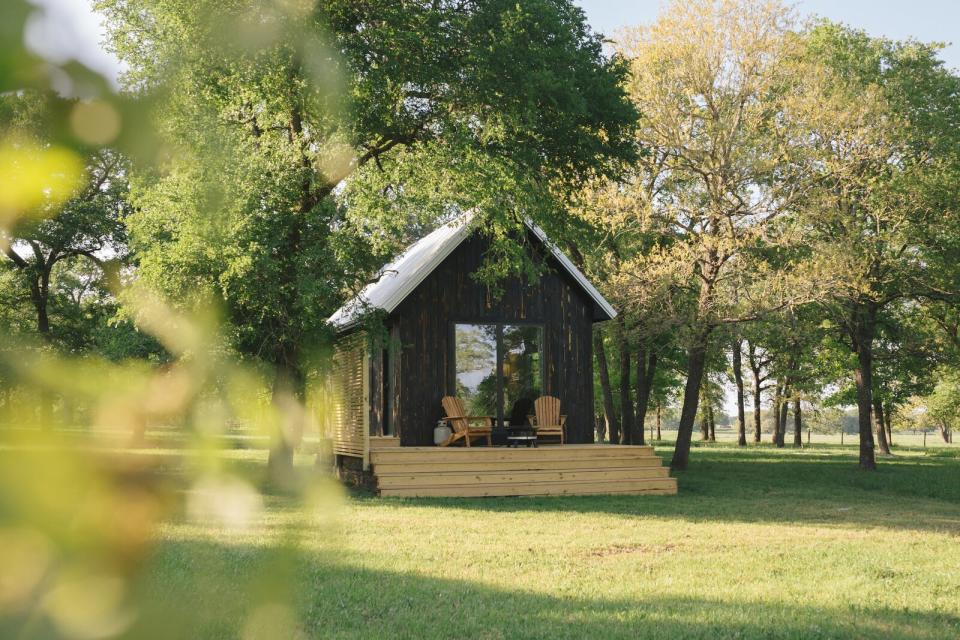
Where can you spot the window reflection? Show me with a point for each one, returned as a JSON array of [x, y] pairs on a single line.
[[482, 374], [476, 361], [521, 370]]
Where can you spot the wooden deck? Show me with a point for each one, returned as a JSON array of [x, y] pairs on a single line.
[[573, 469]]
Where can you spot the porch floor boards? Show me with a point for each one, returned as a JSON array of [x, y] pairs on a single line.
[[499, 471]]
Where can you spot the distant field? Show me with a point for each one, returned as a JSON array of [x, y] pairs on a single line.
[[904, 438], [243, 438], [760, 543]]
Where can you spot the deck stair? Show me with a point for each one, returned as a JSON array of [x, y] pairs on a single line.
[[498, 471]]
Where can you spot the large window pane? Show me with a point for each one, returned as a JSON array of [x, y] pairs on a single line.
[[476, 360], [522, 369]]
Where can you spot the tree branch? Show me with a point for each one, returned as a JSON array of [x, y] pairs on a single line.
[[15, 257]]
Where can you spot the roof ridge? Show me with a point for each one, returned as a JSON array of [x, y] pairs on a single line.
[[399, 277]]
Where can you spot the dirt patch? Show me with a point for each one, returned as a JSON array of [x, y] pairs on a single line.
[[621, 549]]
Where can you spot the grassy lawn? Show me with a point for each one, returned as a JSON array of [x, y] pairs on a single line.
[[759, 544]]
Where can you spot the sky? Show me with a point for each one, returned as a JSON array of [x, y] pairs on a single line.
[[925, 20], [69, 29]]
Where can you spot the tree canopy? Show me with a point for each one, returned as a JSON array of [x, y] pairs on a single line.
[[306, 140], [770, 204]]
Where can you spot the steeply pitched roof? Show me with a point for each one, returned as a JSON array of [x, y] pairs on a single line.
[[401, 276]]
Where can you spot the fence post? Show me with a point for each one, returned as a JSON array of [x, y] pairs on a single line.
[[924, 439], [841, 437]]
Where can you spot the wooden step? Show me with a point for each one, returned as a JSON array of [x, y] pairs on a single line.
[[384, 442], [500, 471], [651, 486], [517, 477], [403, 455], [478, 448], [425, 465]]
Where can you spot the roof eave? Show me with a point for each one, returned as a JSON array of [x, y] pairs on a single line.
[[448, 246], [397, 296], [572, 269]]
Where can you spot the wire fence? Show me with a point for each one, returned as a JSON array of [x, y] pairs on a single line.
[[926, 440]]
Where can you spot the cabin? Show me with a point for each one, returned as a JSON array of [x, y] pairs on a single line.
[[426, 329]]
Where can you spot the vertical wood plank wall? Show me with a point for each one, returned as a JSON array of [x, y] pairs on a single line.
[[423, 322]]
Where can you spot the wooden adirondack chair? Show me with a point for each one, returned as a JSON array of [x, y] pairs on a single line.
[[548, 419], [460, 423]]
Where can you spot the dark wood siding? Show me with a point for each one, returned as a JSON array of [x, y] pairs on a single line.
[[423, 323], [383, 367], [377, 377]]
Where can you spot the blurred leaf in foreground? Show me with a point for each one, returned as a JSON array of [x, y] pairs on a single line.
[[97, 452]]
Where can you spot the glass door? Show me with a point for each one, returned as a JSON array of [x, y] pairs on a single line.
[[476, 358], [499, 369], [521, 370]]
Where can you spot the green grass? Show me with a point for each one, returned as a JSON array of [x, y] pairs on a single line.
[[761, 543]]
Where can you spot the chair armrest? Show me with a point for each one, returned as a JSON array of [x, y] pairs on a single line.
[[487, 419]]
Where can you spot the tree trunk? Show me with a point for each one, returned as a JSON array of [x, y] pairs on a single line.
[[944, 432], [696, 359], [39, 295], [775, 412], [613, 429], [704, 419], [287, 398], [711, 423], [637, 435], [782, 418], [138, 426], [881, 427], [626, 402], [757, 426], [863, 341], [797, 424], [43, 318], [756, 369], [888, 422], [738, 379], [659, 419], [646, 369], [38, 271]]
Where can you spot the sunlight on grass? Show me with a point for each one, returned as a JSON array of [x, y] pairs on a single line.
[[746, 550]]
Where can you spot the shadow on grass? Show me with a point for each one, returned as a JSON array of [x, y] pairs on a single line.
[[782, 486], [208, 590]]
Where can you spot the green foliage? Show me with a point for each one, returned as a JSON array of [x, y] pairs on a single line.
[[941, 408], [803, 198], [300, 144], [250, 210], [890, 147], [943, 404], [62, 258]]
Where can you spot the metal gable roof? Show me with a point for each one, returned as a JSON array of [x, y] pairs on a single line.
[[401, 276]]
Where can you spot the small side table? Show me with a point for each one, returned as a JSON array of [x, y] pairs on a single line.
[[521, 435]]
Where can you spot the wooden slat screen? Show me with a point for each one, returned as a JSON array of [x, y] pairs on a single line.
[[351, 415]]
